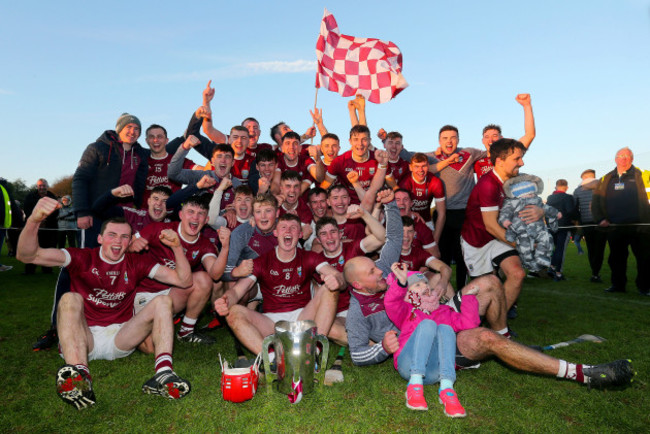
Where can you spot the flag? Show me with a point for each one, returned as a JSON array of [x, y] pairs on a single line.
[[363, 66]]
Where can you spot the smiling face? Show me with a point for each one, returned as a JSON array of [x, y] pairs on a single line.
[[267, 169], [490, 136], [409, 236], [359, 144], [393, 147], [448, 141], [130, 134], [282, 130], [419, 171], [623, 160], [222, 163], [367, 277], [193, 218], [157, 206], [288, 233], [239, 141], [330, 238], [339, 201], [404, 202], [290, 189], [330, 148], [291, 150], [253, 132], [157, 140], [318, 205], [265, 216], [114, 240], [509, 167], [243, 205], [41, 187]]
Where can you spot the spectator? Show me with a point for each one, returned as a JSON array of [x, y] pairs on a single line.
[[67, 223], [595, 238], [47, 235], [565, 204]]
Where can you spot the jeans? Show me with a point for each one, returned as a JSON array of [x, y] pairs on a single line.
[[430, 351]]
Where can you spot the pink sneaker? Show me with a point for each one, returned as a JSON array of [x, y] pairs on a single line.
[[415, 397], [452, 405]]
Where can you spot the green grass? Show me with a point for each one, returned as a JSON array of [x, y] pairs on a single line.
[[498, 399]]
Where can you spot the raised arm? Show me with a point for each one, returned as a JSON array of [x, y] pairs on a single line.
[[106, 205], [215, 203], [529, 119], [28, 250], [181, 275], [205, 112], [369, 197], [317, 117], [377, 236], [216, 266], [390, 253]]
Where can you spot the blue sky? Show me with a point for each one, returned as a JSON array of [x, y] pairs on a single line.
[[71, 68]]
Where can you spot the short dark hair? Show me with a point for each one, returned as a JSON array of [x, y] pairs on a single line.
[[276, 129], [163, 189], [592, 171], [244, 190], [290, 175], [266, 155], [492, 127], [335, 187], [324, 221], [447, 128], [359, 129], [291, 135], [403, 190], [239, 128], [561, 183], [290, 218], [225, 148], [315, 191], [200, 200], [250, 119], [394, 135], [117, 221], [152, 126], [408, 221], [330, 136], [504, 147]]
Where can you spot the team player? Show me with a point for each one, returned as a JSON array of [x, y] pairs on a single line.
[[138, 218], [96, 318], [292, 201], [284, 275], [266, 164], [317, 201], [482, 238], [398, 169], [423, 236], [199, 251], [492, 133], [309, 166]]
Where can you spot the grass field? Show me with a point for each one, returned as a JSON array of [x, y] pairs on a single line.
[[371, 399]]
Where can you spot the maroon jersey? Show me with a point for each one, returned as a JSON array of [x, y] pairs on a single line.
[[262, 243], [487, 195], [138, 218], [108, 288], [253, 151], [482, 166], [242, 167], [463, 158], [423, 235], [302, 166], [423, 194], [416, 258], [157, 175], [348, 251], [352, 230], [343, 164], [195, 252], [399, 169], [303, 210], [285, 286]]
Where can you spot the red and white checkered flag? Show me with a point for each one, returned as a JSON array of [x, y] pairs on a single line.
[[363, 66]]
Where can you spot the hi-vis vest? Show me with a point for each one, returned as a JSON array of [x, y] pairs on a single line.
[[645, 175]]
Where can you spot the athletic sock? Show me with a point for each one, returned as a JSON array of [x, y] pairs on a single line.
[[446, 384], [503, 331], [163, 362], [416, 379], [572, 371], [83, 368], [187, 326]]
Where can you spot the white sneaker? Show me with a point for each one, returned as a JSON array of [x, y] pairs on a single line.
[[5, 267]]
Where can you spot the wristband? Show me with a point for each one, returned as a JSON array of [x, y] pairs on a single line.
[[383, 166], [434, 244], [137, 235]]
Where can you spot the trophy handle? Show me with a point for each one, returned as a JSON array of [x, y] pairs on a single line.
[[322, 367], [270, 376]]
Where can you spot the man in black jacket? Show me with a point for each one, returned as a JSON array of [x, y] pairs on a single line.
[[48, 233], [564, 203], [619, 204]]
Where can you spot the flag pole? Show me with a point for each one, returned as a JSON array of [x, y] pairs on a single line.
[[311, 141]]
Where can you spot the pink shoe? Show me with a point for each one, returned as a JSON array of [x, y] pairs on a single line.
[[452, 405], [415, 397]]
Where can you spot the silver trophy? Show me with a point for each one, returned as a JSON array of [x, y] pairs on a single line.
[[295, 356]]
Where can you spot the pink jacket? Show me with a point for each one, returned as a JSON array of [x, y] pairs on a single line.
[[399, 312]]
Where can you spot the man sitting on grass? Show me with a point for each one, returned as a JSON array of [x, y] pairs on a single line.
[[96, 317]]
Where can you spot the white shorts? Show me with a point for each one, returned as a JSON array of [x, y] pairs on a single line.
[[143, 298], [342, 314], [284, 316], [104, 343], [480, 261]]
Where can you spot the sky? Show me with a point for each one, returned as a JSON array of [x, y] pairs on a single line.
[[71, 68]]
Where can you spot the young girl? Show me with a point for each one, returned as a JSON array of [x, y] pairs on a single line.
[[427, 340]]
